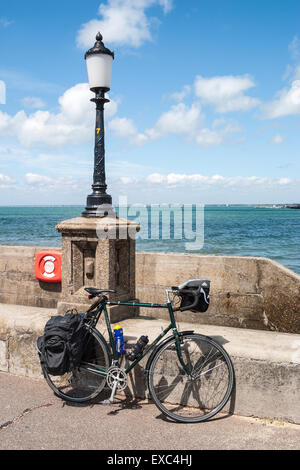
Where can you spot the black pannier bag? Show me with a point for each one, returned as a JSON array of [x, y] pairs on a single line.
[[199, 287], [60, 349]]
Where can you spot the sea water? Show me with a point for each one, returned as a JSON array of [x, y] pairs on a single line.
[[227, 230]]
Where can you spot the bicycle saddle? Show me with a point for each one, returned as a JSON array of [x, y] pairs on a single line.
[[95, 292]]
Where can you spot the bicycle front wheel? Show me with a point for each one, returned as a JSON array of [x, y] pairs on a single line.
[[201, 395], [88, 380]]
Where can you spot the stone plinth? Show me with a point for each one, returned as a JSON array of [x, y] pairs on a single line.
[[97, 252]]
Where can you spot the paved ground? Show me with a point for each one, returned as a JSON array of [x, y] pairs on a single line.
[[32, 418]]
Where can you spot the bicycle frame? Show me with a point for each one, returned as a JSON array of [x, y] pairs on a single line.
[[172, 326]]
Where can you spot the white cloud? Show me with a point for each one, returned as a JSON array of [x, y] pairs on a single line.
[[180, 95], [8, 152], [171, 180], [277, 139], [226, 93], [123, 22], [217, 134], [291, 73], [126, 180], [189, 122], [6, 181], [296, 75], [73, 124], [156, 178], [46, 183], [2, 92], [197, 180], [286, 103], [285, 181], [33, 102], [125, 128], [34, 179], [207, 137], [180, 119], [294, 48]]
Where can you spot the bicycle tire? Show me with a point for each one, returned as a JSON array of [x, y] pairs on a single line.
[[82, 385], [184, 399]]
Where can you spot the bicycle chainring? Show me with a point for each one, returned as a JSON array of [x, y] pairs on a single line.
[[115, 374]]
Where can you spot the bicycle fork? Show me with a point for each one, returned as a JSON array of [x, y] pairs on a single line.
[[178, 339]]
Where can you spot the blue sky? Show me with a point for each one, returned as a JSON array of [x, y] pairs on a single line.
[[205, 101]]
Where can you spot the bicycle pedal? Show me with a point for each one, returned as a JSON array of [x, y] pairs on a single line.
[[107, 402]]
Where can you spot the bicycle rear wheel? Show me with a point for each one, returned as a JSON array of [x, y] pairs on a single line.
[[85, 382], [187, 399]]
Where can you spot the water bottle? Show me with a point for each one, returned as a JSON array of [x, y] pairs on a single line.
[[138, 348], [119, 339]]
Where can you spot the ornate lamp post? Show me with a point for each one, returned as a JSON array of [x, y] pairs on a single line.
[[99, 61]]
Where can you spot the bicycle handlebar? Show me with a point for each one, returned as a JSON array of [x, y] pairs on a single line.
[[193, 305], [188, 292]]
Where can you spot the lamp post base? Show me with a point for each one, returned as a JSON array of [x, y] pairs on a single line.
[[97, 253], [98, 205]]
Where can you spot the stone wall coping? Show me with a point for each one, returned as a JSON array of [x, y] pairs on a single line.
[[24, 250], [215, 256], [241, 342], [84, 223]]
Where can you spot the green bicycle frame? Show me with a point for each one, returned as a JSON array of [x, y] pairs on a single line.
[[172, 326]]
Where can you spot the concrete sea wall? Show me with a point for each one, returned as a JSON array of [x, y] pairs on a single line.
[[246, 292], [249, 293], [17, 281]]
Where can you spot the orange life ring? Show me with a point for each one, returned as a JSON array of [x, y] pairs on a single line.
[[48, 266]]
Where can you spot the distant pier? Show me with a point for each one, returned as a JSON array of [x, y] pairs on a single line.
[[277, 206]]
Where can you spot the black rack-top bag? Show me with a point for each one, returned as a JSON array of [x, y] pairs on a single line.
[[60, 349]]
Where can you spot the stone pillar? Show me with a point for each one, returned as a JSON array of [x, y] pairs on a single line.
[[98, 252]]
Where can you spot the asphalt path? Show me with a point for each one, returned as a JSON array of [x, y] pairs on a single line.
[[33, 418]]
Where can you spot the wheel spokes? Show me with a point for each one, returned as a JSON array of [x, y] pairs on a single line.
[[196, 396]]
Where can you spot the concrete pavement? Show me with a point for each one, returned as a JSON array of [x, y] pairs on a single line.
[[32, 418]]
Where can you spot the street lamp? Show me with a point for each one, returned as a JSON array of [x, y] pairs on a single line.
[[99, 65]]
